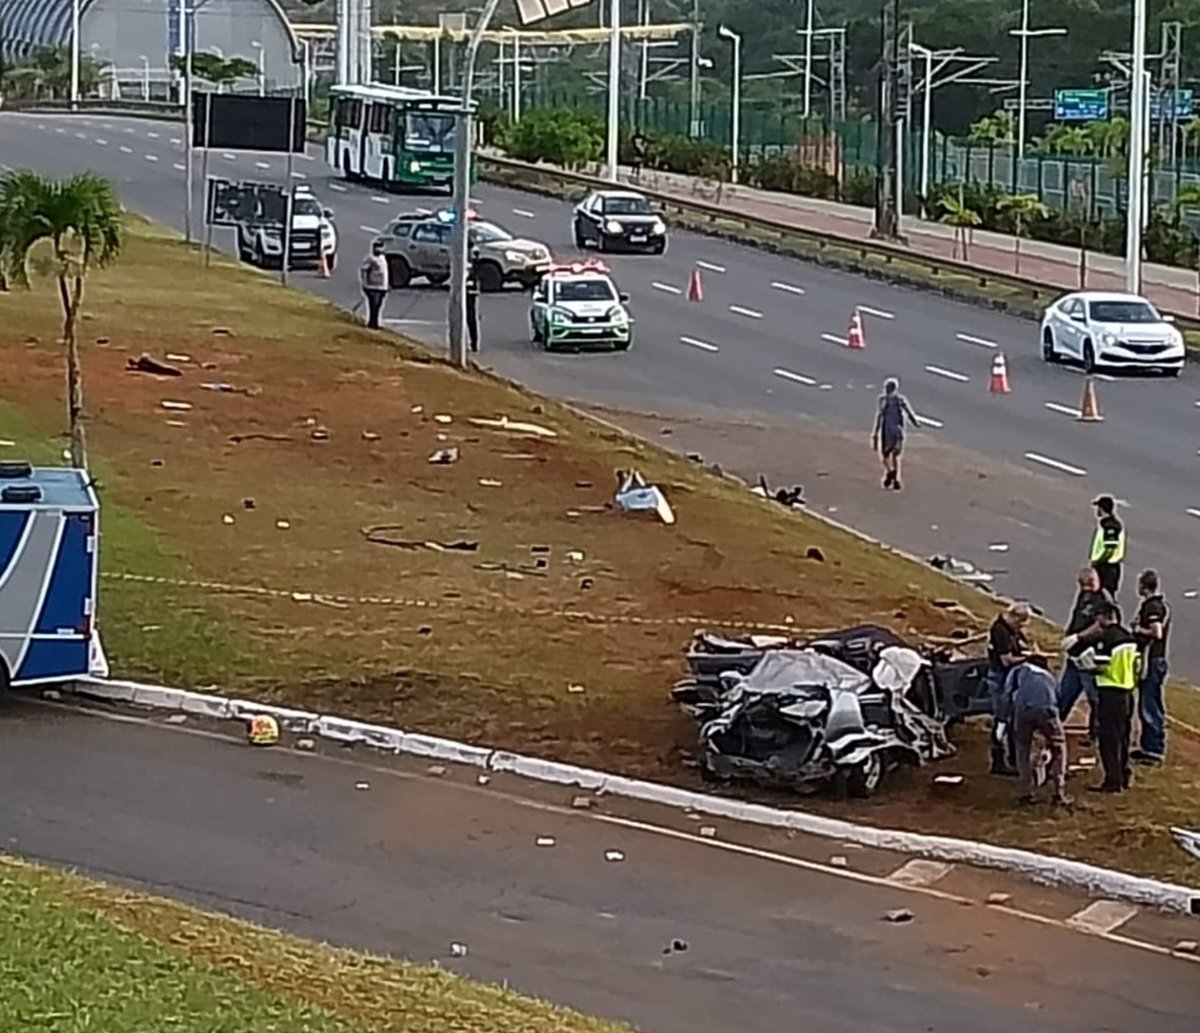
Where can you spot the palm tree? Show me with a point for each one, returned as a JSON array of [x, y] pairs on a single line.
[[80, 218], [964, 219], [1024, 208]]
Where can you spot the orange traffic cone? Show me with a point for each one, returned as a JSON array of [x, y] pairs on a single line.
[[1089, 408], [323, 267], [695, 290], [999, 382], [856, 340]]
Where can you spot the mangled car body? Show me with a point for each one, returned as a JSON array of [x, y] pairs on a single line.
[[841, 710]]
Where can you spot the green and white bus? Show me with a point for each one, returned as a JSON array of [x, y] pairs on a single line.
[[392, 136]]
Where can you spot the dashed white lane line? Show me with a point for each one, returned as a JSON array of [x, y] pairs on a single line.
[[308, 157], [749, 313], [1102, 916], [1194, 513], [153, 136], [704, 346], [834, 339], [102, 143], [262, 165], [229, 157], [59, 129], [929, 421], [126, 150], [151, 157], [299, 175], [338, 187], [81, 136], [920, 872], [524, 213], [1066, 410], [380, 200], [788, 288], [983, 342], [1055, 464], [876, 312], [179, 167], [106, 125], [369, 229], [666, 288], [798, 378], [176, 141], [711, 267], [128, 129], [949, 374]]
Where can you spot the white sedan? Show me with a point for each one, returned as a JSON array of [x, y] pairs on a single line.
[[1099, 329]]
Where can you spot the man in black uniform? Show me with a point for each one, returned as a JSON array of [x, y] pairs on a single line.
[[473, 301], [1108, 544], [1007, 648], [1075, 681], [1114, 653], [1150, 628]]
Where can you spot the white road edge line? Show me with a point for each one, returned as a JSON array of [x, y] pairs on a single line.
[[1066, 410], [704, 346], [666, 288], [524, 213], [983, 342], [749, 313], [711, 267], [798, 378], [1055, 464], [876, 312], [834, 339], [787, 288], [949, 374]]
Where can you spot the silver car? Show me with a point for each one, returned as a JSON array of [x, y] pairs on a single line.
[[419, 246], [1107, 330]]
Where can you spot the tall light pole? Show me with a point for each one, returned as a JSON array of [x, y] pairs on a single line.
[[926, 117], [611, 170], [808, 56], [260, 61], [75, 45], [1137, 152], [1025, 33], [735, 118]]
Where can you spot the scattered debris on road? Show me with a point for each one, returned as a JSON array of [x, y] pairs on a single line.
[[362, 786], [634, 495], [174, 406], [306, 745], [582, 803], [545, 841], [898, 915], [613, 856], [791, 498], [458, 950], [675, 947], [998, 899], [262, 730], [437, 770]]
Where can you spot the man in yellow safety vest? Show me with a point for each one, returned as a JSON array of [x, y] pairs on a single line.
[[1113, 654], [1108, 544]]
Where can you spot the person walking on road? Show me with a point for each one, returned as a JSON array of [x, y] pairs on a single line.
[[1151, 627], [1113, 652], [1108, 544], [373, 278], [473, 302], [1007, 647], [888, 435], [1076, 681], [1031, 707]]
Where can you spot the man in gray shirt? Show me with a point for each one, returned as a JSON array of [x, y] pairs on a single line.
[[888, 434], [373, 276], [1031, 710]]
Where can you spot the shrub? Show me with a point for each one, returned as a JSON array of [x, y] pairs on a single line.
[[555, 136]]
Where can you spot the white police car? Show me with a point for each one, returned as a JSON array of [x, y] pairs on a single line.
[[576, 307]]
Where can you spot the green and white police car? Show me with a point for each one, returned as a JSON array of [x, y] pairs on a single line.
[[576, 307]]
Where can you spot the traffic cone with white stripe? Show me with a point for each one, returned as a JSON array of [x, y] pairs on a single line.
[[1089, 408], [695, 291], [855, 338], [999, 382]]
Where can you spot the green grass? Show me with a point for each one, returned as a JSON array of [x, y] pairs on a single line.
[[80, 957]]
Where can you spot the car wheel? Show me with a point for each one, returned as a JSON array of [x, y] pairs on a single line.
[[863, 780], [260, 257], [331, 262], [1049, 354], [437, 279], [399, 273], [491, 279], [660, 248], [1174, 371], [624, 346], [5, 680], [1089, 358]]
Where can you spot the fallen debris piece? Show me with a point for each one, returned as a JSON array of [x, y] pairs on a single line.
[[444, 456], [222, 388], [262, 730], [575, 556], [575, 689], [483, 780], [227, 518], [1189, 840], [790, 497], [582, 803], [283, 525], [237, 439], [443, 419], [437, 770], [963, 570], [52, 695], [178, 357], [545, 841], [458, 950], [176, 719], [708, 831], [675, 947], [634, 495], [362, 786], [1187, 947], [489, 482], [838, 861], [5, 443], [613, 856], [813, 553], [514, 426], [998, 899], [417, 409], [948, 780], [382, 534], [320, 434], [149, 364], [175, 406], [370, 435], [306, 745], [249, 504], [898, 915]]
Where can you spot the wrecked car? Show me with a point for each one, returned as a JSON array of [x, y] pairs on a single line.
[[838, 711]]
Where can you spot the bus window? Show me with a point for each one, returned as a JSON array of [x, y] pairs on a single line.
[[380, 117], [429, 131]]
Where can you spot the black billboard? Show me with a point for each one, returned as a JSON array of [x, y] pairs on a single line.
[[241, 122], [250, 203]]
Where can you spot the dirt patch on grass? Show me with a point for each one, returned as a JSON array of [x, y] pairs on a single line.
[[238, 552]]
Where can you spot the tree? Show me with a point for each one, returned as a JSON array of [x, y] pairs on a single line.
[[964, 219], [997, 128], [46, 75], [215, 69], [1024, 209], [80, 218]]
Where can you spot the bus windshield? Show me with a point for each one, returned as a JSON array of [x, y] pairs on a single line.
[[428, 131]]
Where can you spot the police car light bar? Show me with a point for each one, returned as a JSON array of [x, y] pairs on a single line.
[[591, 265], [447, 214]]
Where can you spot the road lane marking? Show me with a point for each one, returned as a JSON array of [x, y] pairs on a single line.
[[308, 157], [1055, 464], [834, 339], [983, 342], [704, 346], [920, 872], [929, 421], [876, 312], [949, 374], [176, 141], [798, 378], [59, 129], [1194, 513], [262, 165], [299, 175], [1066, 410], [338, 187], [711, 267], [749, 313], [666, 288], [153, 136], [126, 150], [152, 157], [104, 143], [179, 167], [787, 288], [370, 229], [229, 157], [380, 200], [524, 213], [81, 136], [1102, 916]]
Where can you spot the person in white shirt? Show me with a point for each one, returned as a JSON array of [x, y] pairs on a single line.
[[373, 276]]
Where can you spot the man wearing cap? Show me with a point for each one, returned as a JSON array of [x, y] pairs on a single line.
[[888, 435], [1031, 707], [1113, 654], [1007, 648], [1151, 627], [1108, 544]]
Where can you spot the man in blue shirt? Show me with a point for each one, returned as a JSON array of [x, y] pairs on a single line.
[[1031, 707], [888, 435]]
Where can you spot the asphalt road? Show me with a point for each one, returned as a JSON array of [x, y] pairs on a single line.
[[766, 344], [406, 865]]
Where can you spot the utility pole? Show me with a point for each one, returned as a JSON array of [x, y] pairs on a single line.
[[694, 92], [887, 189]]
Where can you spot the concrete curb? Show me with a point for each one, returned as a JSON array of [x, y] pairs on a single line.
[[1037, 867]]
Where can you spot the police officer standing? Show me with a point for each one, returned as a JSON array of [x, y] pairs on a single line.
[[1114, 653], [1108, 544], [1150, 628], [473, 301]]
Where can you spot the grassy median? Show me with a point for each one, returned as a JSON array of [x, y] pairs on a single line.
[[76, 955], [273, 527]]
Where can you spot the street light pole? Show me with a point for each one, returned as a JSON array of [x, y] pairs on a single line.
[[926, 118], [611, 169], [1025, 33], [75, 45], [735, 127], [1137, 152], [808, 56]]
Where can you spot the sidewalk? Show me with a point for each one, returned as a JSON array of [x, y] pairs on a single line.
[[1171, 288]]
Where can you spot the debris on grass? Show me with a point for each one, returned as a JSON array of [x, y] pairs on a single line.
[[283, 525], [237, 439], [174, 406], [148, 364], [489, 482], [634, 495], [514, 426], [444, 456]]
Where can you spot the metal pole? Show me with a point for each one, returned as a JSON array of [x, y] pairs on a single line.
[[644, 70], [307, 52], [437, 64], [899, 128], [694, 87], [1137, 152], [75, 46], [735, 117], [927, 127], [189, 25], [1023, 75], [457, 313], [287, 220], [204, 174], [611, 169], [516, 77], [808, 54]]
